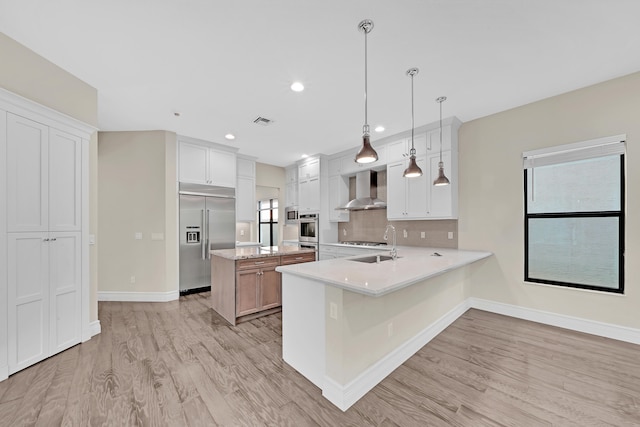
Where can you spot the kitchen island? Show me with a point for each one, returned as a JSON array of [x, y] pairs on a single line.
[[347, 324], [244, 280]]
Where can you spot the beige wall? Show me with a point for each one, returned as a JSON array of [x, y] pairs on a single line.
[[137, 178], [25, 73], [491, 194]]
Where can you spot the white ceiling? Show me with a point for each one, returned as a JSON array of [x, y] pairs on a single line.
[[222, 63]]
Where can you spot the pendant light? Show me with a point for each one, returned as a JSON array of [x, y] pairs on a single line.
[[413, 170], [366, 154], [441, 179]]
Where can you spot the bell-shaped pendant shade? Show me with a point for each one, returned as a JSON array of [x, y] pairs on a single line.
[[413, 170], [441, 179], [366, 154]]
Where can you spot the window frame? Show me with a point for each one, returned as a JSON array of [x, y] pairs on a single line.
[[588, 214], [271, 222]]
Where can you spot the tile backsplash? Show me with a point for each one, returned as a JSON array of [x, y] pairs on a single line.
[[369, 225]]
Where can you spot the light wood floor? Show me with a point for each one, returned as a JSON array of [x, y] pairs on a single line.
[[178, 364]]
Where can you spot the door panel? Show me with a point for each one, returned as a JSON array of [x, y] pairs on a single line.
[[28, 299], [247, 292], [222, 222], [64, 268], [27, 175], [64, 181], [192, 242], [270, 289]]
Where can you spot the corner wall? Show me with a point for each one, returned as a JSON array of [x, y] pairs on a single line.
[[137, 178], [491, 213]]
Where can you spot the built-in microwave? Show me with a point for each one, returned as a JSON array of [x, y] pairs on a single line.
[[291, 215], [308, 228]]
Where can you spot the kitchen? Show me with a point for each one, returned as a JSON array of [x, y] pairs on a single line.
[[489, 211]]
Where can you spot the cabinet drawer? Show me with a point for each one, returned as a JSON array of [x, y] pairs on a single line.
[[298, 258], [245, 264]]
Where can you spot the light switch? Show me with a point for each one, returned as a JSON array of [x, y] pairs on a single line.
[[92, 239], [450, 235], [333, 310], [138, 236], [422, 235]]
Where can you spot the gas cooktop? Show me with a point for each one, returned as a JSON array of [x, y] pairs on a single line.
[[359, 243]]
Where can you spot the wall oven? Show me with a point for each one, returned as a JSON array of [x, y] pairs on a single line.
[[308, 228], [291, 215]]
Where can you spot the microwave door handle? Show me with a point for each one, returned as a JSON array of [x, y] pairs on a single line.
[[202, 234]]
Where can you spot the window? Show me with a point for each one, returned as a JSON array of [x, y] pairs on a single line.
[[268, 222], [574, 215]]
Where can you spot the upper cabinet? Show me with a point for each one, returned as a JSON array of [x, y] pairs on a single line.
[[291, 190], [309, 186], [199, 163], [407, 198], [246, 190], [399, 149]]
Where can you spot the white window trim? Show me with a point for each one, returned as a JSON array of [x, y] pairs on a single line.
[[610, 145]]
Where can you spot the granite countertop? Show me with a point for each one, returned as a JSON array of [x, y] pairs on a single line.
[[258, 252], [413, 265]]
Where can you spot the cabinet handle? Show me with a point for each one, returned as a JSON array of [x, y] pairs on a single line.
[[45, 240], [54, 239], [299, 257], [259, 262]]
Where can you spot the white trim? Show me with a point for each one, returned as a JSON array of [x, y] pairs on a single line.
[[95, 328], [343, 396], [138, 296], [600, 147], [608, 330], [205, 143], [27, 108], [4, 372]]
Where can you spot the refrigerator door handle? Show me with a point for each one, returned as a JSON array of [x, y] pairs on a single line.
[[208, 246], [202, 231]]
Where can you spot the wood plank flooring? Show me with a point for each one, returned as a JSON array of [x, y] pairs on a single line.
[[179, 364]]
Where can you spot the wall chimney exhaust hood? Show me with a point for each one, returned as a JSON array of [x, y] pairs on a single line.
[[366, 193]]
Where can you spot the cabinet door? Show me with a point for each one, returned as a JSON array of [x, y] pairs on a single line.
[[291, 194], [309, 169], [65, 157], [441, 205], [270, 289], [291, 174], [246, 208], [28, 299], [27, 175], [418, 192], [397, 150], [193, 161], [247, 297], [338, 196], [222, 168], [335, 166], [396, 191], [313, 198], [65, 293]]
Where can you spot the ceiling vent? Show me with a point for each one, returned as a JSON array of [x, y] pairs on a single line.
[[262, 121]]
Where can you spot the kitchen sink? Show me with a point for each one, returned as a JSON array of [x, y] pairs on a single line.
[[372, 259]]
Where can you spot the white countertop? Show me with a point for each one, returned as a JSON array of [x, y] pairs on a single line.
[[413, 265], [258, 252]]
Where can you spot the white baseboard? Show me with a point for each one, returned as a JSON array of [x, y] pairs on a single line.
[[92, 330], [592, 327], [138, 296], [4, 372], [343, 396]]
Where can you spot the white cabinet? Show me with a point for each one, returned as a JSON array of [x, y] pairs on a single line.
[[44, 295], [200, 164], [246, 208], [399, 149], [407, 198], [44, 253], [338, 196], [309, 195], [291, 186], [442, 200], [309, 186]]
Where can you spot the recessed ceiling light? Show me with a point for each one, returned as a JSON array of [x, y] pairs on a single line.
[[304, 156], [297, 87], [379, 129], [230, 136]]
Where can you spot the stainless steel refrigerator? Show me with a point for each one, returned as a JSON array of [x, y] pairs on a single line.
[[207, 221]]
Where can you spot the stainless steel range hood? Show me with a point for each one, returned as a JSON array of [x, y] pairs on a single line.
[[366, 193]]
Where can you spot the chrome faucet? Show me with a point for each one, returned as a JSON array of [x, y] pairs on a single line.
[[394, 252]]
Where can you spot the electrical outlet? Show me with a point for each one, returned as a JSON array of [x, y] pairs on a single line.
[[138, 236], [422, 235], [333, 310], [242, 232], [405, 234], [390, 329], [133, 279], [450, 235], [344, 232]]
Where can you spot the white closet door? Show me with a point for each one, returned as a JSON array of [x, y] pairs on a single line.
[[27, 174], [65, 157], [28, 298], [65, 291]]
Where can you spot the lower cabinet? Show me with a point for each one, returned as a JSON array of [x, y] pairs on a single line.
[[246, 288]]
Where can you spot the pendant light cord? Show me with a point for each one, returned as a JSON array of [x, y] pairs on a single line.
[[365, 128], [413, 150], [441, 130]]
